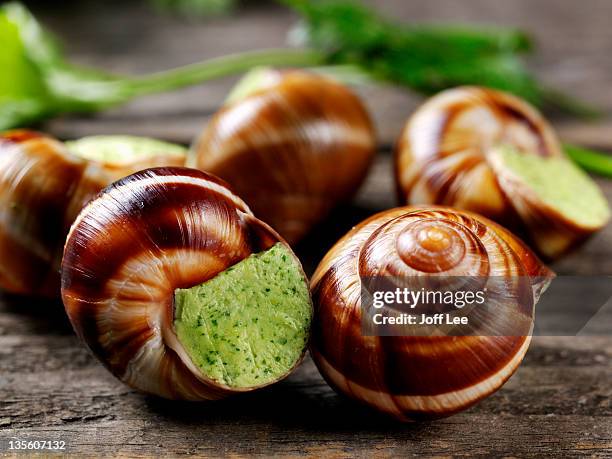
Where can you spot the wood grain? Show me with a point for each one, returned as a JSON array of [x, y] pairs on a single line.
[[557, 404]]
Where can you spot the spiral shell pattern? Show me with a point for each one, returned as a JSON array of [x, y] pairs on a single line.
[[143, 237], [43, 187], [420, 377], [293, 149], [444, 157]]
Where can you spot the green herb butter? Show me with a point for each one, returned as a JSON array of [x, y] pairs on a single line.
[[560, 184], [120, 149], [248, 325], [255, 80]]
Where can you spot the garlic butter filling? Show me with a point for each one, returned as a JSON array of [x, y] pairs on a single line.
[[248, 325]]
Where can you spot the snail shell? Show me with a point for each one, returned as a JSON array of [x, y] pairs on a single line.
[[431, 375], [43, 187], [129, 250], [293, 149], [446, 156]]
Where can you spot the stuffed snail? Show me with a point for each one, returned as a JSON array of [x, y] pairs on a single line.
[[489, 152], [44, 184], [292, 144], [180, 291], [438, 373]]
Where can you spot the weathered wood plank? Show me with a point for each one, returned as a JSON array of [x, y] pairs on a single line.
[[51, 388], [569, 378], [562, 380], [478, 435]]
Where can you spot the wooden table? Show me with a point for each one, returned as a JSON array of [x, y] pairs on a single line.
[[558, 403]]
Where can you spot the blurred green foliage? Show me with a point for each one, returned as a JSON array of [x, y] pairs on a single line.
[[425, 58], [189, 8], [38, 81]]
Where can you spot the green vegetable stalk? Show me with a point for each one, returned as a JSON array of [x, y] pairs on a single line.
[[41, 83], [590, 160]]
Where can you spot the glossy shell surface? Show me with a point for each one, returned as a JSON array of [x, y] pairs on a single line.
[[43, 187], [422, 377], [143, 237], [293, 149]]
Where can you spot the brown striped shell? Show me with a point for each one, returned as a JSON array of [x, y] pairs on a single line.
[[445, 156], [293, 150], [43, 187], [130, 248], [430, 375]]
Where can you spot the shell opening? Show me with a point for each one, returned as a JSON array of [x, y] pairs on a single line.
[[255, 80], [555, 181], [122, 149], [249, 325]]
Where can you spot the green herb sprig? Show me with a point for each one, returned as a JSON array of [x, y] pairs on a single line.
[[425, 58]]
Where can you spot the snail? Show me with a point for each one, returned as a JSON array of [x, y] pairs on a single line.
[[293, 144], [180, 291], [44, 183], [489, 152], [415, 376]]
